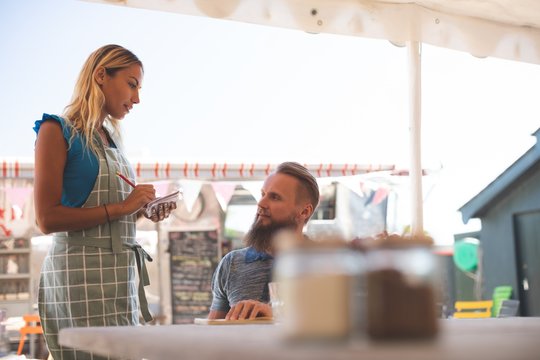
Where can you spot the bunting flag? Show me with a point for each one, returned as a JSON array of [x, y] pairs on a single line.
[[380, 195], [355, 184], [162, 187], [322, 182], [377, 196], [16, 212], [254, 188], [190, 190], [17, 197], [5, 230], [369, 199], [224, 192]]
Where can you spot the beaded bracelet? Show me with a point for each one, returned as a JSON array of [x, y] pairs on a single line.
[[107, 213]]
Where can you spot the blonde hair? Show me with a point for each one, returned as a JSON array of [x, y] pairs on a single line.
[[84, 112]]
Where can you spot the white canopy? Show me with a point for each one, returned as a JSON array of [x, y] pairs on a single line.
[[507, 29]]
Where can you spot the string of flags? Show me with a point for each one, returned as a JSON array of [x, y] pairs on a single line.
[[16, 198], [223, 178]]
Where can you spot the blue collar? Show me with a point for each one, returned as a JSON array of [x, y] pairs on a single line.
[[253, 255]]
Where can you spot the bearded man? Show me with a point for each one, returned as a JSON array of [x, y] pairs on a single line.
[[240, 283]]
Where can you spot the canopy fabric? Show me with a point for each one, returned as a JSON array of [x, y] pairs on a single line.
[[507, 29]]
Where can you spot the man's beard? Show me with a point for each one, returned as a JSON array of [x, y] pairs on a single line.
[[260, 236]]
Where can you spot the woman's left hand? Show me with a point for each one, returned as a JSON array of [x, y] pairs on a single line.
[[163, 212]]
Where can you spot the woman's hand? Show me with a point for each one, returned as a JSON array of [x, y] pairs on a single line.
[[141, 195], [163, 211]]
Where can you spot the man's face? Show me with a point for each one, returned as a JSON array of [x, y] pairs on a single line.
[[278, 203], [277, 210]]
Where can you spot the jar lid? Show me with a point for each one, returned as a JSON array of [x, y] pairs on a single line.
[[401, 241], [288, 241]]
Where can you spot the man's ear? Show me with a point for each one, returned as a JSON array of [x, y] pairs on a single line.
[[307, 211], [99, 75]]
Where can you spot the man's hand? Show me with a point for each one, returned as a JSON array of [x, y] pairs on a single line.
[[248, 309]]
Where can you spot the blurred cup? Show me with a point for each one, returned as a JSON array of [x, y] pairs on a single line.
[[400, 282], [317, 288], [276, 302]]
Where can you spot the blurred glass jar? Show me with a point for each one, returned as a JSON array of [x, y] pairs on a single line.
[[317, 283], [4, 340], [400, 283]]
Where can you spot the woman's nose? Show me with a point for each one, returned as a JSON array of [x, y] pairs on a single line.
[[135, 98]]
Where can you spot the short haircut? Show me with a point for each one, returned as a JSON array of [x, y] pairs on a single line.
[[308, 187]]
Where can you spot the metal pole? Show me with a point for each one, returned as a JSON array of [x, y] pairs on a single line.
[[415, 113]]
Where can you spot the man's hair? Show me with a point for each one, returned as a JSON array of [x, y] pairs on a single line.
[[308, 188]]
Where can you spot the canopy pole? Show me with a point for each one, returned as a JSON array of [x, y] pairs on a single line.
[[415, 117]]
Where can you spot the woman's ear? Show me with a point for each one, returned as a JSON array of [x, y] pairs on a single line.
[[99, 75]]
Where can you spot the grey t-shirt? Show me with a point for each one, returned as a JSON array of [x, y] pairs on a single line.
[[242, 274]]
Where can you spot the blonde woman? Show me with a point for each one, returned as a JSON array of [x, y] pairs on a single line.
[[88, 276]]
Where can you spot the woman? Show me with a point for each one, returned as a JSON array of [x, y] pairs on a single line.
[[88, 277]]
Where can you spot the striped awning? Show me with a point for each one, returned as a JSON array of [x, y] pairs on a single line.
[[148, 171]]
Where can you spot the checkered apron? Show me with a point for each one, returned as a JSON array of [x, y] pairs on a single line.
[[88, 278]]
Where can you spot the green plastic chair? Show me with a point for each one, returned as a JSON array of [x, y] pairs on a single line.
[[500, 293]]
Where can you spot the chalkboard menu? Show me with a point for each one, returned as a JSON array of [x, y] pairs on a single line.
[[194, 257]]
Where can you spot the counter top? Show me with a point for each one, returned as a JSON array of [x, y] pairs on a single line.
[[478, 339]]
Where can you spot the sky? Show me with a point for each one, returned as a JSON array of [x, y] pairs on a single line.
[[224, 91]]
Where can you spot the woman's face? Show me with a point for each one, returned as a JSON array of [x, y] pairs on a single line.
[[121, 90]]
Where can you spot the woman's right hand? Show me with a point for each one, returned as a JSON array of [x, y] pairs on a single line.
[[141, 195]]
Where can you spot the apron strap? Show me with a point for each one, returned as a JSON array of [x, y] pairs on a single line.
[[114, 226], [140, 255], [113, 198]]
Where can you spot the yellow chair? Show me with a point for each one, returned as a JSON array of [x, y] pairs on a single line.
[[32, 325], [473, 309]]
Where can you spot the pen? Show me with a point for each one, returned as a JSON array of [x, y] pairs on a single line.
[[125, 179]]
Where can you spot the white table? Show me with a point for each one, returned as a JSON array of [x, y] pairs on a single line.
[[477, 339]]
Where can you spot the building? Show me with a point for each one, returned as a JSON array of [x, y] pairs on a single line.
[[509, 209]]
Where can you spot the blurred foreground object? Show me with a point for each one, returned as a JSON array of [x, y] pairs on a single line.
[[400, 288], [317, 282]]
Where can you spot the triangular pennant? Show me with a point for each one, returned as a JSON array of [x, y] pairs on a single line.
[[380, 195], [18, 195], [254, 188], [354, 184], [369, 199], [5, 230], [191, 190], [224, 192], [324, 182], [162, 187]]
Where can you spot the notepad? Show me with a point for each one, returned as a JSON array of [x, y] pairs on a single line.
[[151, 207], [256, 321]]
